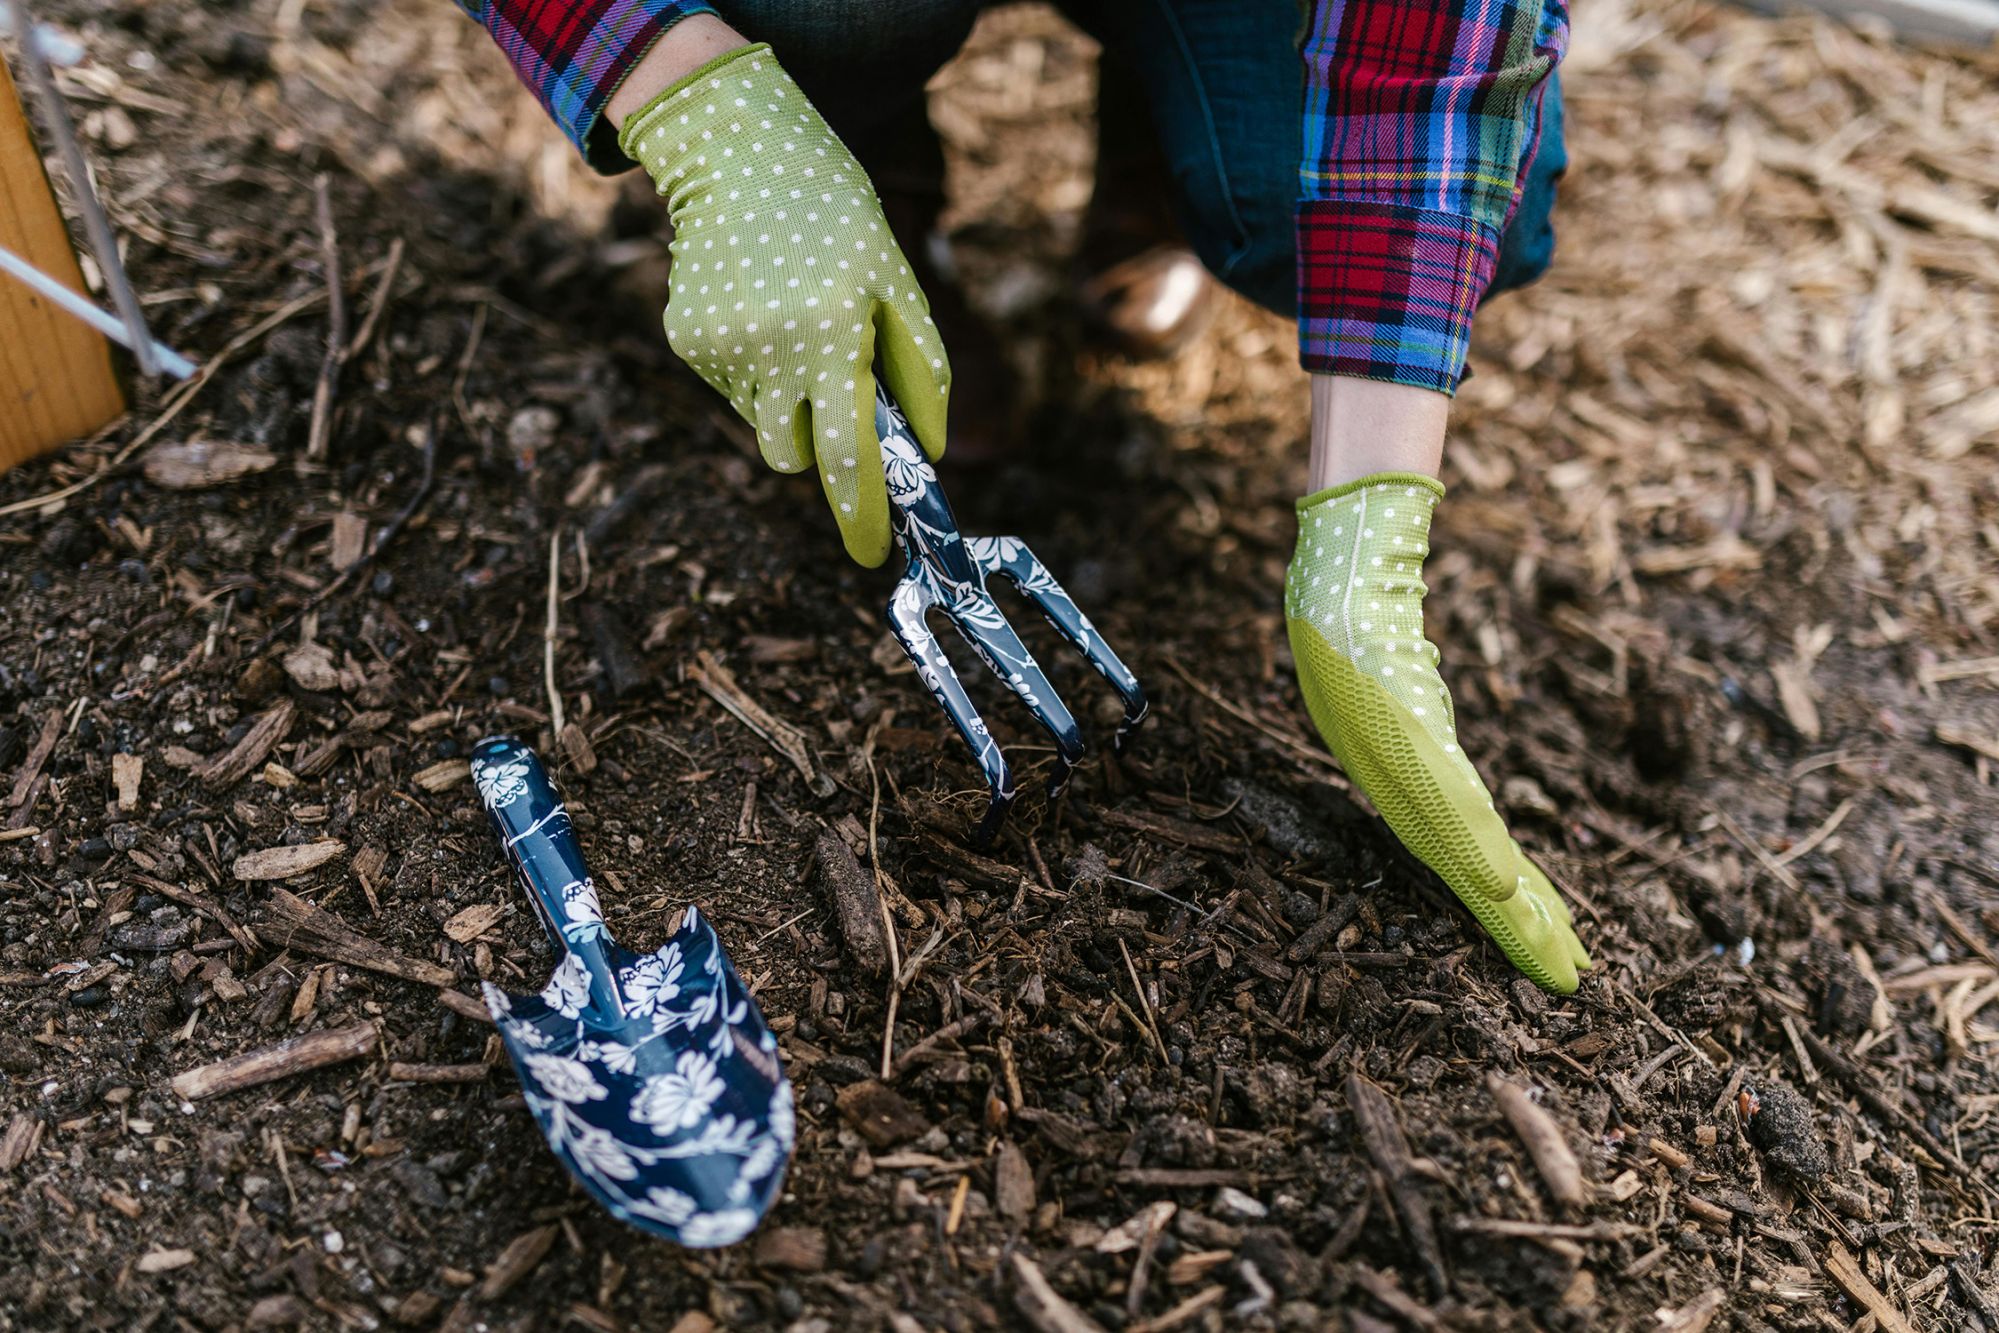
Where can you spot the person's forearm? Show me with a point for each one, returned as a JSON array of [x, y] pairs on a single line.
[[1362, 426], [680, 50]]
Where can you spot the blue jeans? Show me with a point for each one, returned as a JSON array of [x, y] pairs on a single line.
[[1223, 83]]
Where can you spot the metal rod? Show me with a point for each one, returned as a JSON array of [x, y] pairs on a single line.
[[103, 243], [166, 357]]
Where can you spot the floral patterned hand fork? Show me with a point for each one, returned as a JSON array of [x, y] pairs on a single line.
[[652, 1076], [950, 571]]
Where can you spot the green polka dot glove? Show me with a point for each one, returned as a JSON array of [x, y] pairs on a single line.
[[1353, 600], [787, 283]]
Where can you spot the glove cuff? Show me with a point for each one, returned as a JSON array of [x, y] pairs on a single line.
[[1354, 487], [628, 136]]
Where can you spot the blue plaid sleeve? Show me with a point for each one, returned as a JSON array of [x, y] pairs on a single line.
[[1421, 117], [573, 54]]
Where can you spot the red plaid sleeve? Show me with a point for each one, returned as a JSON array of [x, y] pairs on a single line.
[[1420, 118], [573, 54]]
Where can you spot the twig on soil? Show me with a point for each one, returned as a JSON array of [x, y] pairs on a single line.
[[1205, 1299], [1144, 1005], [1382, 1287], [1524, 1230], [949, 1032], [1041, 1305], [857, 902], [388, 534], [1845, 1270], [1381, 1134], [465, 371], [31, 767], [300, 925], [1545, 1143], [1756, 849], [379, 302], [24, 1133], [1696, 1314], [1810, 841], [314, 1050], [427, 1073], [318, 436], [201, 904], [552, 629], [719, 684], [234, 764], [1295, 747]]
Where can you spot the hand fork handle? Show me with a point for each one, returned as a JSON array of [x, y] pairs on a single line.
[[919, 514]]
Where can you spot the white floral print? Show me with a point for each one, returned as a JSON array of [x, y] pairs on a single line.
[[562, 1078], [498, 1003], [569, 989], [665, 1204], [783, 1121], [705, 1230], [585, 919], [652, 981], [669, 1102], [598, 1152], [500, 785]]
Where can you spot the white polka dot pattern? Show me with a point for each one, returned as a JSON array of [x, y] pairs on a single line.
[[786, 282], [1357, 577]]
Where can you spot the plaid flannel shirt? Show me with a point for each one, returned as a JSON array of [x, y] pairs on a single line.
[[573, 54], [1420, 119]]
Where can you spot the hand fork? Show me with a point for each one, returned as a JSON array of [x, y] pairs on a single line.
[[949, 571]]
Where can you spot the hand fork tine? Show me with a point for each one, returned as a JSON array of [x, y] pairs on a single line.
[[949, 572], [1009, 556]]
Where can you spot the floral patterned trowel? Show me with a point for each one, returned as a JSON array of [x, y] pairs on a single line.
[[652, 1075]]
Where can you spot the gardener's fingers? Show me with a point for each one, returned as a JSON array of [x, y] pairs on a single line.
[[914, 367], [835, 429]]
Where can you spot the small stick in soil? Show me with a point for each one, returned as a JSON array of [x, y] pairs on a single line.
[[458, 1002], [31, 767], [201, 904], [949, 1032], [336, 324], [857, 902], [299, 1055], [1382, 1287], [552, 628], [376, 304], [1041, 1305], [1144, 1005], [1525, 1230], [1845, 1270], [1559, 1169], [1381, 1133], [297, 924], [236, 763], [388, 534], [415, 1073]]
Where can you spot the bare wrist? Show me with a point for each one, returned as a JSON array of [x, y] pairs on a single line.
[[1360, 427], [680, 50]]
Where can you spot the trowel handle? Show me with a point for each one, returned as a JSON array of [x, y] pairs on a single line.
[[540, 842]]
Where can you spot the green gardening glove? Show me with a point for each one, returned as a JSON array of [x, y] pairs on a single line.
[[1354, 604], [786, 282]]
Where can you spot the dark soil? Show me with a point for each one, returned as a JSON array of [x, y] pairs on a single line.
[[1777, 1062]]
